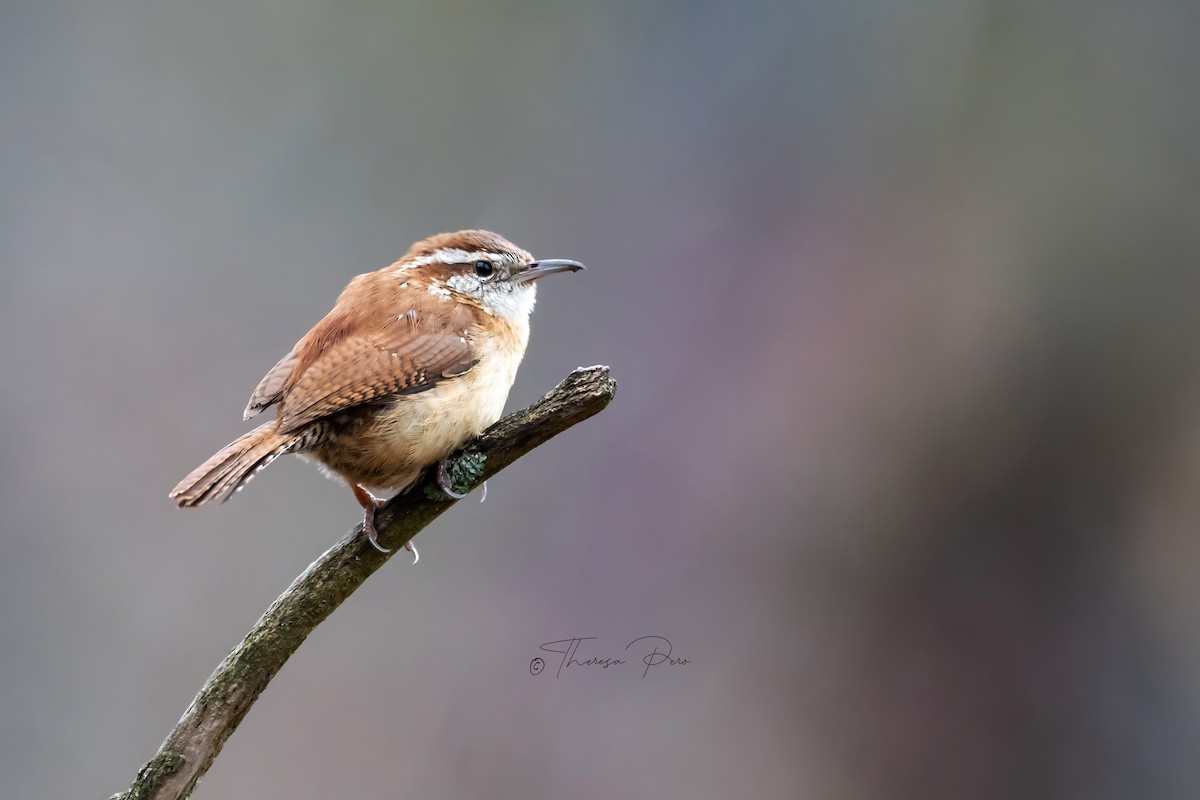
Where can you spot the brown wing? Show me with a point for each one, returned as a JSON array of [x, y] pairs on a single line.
[[270, 388], [362, 369]]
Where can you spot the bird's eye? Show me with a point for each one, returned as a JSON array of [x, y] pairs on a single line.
[[484, 269]]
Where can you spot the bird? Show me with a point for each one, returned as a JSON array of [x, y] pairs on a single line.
[[413, 361]]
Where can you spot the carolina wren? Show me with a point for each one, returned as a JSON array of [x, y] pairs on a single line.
[[414, 360]]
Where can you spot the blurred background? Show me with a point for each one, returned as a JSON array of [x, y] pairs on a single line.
[[902, 301]]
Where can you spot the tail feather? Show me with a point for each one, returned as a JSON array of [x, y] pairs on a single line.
[[233, 466]]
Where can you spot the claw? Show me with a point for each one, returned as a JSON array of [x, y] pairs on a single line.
[[444, 483], [483, 495]]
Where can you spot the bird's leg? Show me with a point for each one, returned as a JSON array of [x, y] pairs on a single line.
[[371, 504], [444, 483]]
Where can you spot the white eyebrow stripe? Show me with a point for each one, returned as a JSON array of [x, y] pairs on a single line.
[[453, 255]]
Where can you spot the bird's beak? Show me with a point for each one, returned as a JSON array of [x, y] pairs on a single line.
[[547, 266]]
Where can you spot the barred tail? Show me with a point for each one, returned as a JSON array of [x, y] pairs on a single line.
[[233, 467]]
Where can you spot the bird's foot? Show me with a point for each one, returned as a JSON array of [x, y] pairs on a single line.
[[371, 504], [453, 478], [442, 476], [369, 530]]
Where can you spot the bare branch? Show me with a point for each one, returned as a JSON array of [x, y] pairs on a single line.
[[236, 683]]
